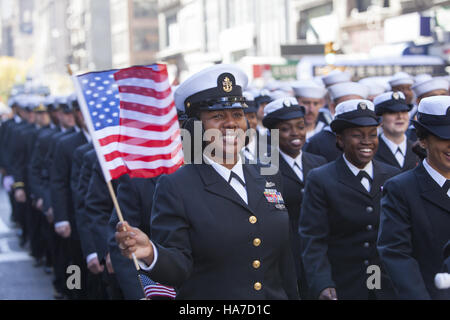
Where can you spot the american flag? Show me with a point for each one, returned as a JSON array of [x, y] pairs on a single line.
[[132, 118], [154, 289]]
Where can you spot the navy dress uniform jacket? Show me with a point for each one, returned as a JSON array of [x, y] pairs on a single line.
[[206, 237], [81, 172], [60, 179], [323, 144], [414, 227], [293, 189], [338, 230], [385, 155], [135, 197]]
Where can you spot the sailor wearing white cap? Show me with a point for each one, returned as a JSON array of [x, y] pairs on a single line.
[[324, 143], [340, 210], [336, 76], [287, 116], [394, 147], [401, 81], [312, 96], [375, 87], [415, 218], [219, 229], [431, 87]]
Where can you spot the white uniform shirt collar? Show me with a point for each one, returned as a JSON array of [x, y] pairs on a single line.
[[368, 168], [291, 161], [319, 127], [440, 179], [393, 146], [17, 119], [225, 172]]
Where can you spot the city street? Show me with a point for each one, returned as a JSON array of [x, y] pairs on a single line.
[[19, 279]]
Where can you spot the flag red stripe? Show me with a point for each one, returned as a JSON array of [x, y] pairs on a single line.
[[146, 126], [118, 172], [139, 157], [149, 173], [146, 91], [109, 139], [143, 73], [151, 110], [135, 141]]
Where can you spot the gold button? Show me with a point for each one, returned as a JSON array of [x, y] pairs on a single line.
[[257, 286], [253, 219], [257, 242], [256, 264]]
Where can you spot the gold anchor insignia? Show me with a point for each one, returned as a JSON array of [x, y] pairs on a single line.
[[396, 96], [227, 85]]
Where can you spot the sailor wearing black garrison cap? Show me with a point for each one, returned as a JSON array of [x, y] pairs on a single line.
[[415, 217], [394, 147], [219, 230], [340, 210]]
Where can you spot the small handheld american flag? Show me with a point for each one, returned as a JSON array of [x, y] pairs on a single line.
[[154, 290]]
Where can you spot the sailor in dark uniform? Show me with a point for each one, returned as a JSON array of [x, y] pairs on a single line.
[[261, 102], [288, 117], [415, 214], [427, 87], [324, 143], [394, 147], [312, 96], [340, 211], [219, 229]]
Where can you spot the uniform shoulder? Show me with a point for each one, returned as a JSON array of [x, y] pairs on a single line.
[[391, 170], [316, 158]]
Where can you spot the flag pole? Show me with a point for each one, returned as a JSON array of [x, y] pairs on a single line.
[[119, 214]]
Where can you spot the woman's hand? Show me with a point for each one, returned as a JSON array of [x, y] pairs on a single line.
[[328, 294], [134, 241]]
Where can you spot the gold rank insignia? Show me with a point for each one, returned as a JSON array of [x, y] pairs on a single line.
[[396, 95], [270, 184], [227, 85]]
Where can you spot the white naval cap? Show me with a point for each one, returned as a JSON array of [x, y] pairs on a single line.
[[353, 105], [354, 113], [278, 94], [248, 96], [401, 78], [375, 88], [217, 85], [282, 109], [348, 88], [390, 102], [336, 76], [430, 85], [434, 116], [309, 89], [435, 106], [422, 78]]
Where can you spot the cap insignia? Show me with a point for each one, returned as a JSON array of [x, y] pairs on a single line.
[[362, 105], [227, 85]]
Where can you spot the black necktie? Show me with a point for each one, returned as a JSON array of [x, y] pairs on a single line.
[[446, 186], [235, 176], [364, 174]]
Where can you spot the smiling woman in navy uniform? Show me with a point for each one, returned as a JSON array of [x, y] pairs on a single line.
[[218, 231], [340, 210], [394, 147], [415, 217], [289, 118]]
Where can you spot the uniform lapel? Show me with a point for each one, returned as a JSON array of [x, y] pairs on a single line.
[[379, 177], [346, 176], [288, 172], [411, 159], [385, 154], [255, 186], [430, 190], [307, 164], [215, 184]]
